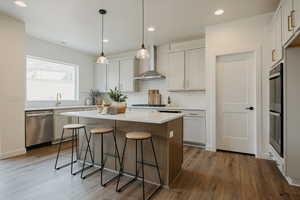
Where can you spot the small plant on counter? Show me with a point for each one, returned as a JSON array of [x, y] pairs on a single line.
[[116, 95], [94, 95]]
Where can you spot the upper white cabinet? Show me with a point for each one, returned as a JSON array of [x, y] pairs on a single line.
[[100, 77], [287, 19], [113, 74], [187, 70], [175, 75], [195, 69], [277, 36], [118, 73], [296, 14], [127, 72]]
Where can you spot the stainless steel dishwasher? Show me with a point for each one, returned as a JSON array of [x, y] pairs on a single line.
[[39, 127]]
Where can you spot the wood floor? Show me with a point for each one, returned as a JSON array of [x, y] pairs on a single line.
[[205, 176]]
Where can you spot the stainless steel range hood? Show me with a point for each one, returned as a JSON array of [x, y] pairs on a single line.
[[151, 73]]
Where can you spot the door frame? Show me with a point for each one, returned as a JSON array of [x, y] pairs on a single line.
[[211, 117]]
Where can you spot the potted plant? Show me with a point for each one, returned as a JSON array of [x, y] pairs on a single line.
[[96, 96], [119, 99]]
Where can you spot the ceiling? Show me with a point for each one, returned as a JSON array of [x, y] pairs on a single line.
[[77, 22]]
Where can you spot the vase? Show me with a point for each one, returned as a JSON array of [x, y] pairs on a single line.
[[121, 107]]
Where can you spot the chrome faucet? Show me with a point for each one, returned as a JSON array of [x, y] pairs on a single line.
[[58, 98]]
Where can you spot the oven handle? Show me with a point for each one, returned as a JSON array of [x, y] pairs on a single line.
[[274, 76], [275, 114]]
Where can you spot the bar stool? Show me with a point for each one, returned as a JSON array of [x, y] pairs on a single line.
[[75, 133], [102, 132], [139, 136]]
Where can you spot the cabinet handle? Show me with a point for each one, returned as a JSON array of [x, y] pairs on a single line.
[[293, 25], [290, 25], [273, 55]]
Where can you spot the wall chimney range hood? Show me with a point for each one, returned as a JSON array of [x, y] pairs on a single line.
[[151, 73]]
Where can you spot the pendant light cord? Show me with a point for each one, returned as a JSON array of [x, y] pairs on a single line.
[[143, 23], [102, 33]]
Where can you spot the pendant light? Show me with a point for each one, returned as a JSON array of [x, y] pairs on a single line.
[[102, 59], [143, 53]]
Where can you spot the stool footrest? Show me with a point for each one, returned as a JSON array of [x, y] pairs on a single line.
[[147, 164], [65, 165], [75, 173]]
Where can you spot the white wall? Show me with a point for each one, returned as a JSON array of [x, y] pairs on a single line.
[[12, 86], [40, 48], [184, 99], [239, 35]]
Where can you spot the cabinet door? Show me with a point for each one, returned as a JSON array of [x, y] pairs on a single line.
[[127, 69], [194, 130], [100, 78], [195, 69], [176, 72], [113, 74], [296, 15], [287, 26], [277, 36], [59, 122]]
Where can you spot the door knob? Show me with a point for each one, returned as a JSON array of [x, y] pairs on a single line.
[[250, 108]]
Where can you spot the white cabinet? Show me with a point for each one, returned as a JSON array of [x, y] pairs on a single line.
[[113, 74], [175, 75], [100, 77], [118, 73], [296, 15], [195, 69], [277, 36], [187, 70], [127, 72], [287, 20], [60, 121], [194, 129]]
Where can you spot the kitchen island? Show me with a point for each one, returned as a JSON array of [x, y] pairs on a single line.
[[167, 132]]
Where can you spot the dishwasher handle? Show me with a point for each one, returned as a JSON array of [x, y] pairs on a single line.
[[39, 114]]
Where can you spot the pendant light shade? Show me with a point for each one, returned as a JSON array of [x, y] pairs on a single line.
[[143, 53], [102, 58]]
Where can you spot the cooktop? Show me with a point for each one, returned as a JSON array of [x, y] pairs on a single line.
[[149, 105]]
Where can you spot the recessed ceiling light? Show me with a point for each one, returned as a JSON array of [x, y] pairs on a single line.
[[219, 12], [21, 4], [151, 29], [105, 40]]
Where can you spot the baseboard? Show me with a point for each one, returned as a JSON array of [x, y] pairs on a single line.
[[210, 149], [12, 153], [294, 182]]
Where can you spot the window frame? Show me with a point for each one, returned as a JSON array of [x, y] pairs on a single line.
[[76, 68]]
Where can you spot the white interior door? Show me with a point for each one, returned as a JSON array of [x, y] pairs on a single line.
[[236, 93]]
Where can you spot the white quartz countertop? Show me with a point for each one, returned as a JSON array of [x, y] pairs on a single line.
[[131, 116], [169, 108], [57, 107]]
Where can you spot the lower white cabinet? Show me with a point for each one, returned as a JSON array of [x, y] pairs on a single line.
[[60, 121], [194, 129], [194, 125]]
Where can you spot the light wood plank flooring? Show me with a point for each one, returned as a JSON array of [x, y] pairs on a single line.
[[205, 176]]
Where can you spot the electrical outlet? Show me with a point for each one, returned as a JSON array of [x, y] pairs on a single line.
[[171, 134]]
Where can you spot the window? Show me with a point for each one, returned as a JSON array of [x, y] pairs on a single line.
[[45, 78]]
